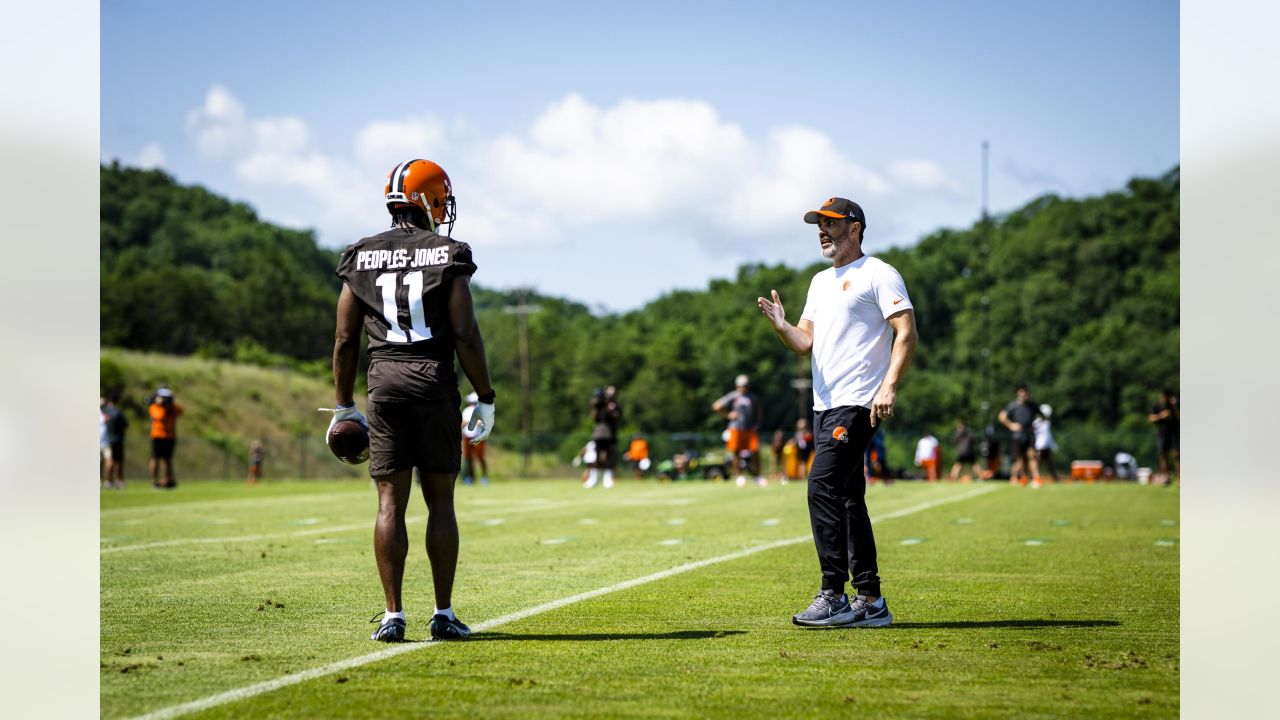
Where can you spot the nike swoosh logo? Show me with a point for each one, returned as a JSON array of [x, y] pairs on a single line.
[[895, 302]]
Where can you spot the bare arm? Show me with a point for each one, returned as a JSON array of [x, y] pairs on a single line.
[[470, 344], [346, 346], [798, 338], [904, 348]]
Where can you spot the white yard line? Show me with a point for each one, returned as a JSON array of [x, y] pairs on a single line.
[[281, 682], [315, 531]]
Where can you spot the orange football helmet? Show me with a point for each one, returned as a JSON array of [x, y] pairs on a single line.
[[426, 185]]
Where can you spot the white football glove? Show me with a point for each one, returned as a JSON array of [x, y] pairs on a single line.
[[340, 414], [483, 416]]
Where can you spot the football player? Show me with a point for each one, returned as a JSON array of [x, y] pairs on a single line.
[[410, 289]]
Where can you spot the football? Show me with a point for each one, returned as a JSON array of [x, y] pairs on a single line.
[[349, 442], [467, 412]]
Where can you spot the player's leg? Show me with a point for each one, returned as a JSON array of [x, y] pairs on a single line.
[[484, 464], [154, 463], [1033, 462], [391, 436], [438, 460], [610, 461], [468, 463], [117, 462], [442, 534], [828, 487], [391, 535]]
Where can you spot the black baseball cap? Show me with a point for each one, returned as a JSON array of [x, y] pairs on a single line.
[[837, 208]]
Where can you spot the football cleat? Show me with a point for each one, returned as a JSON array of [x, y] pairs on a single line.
[[389, 631], [442, 628]]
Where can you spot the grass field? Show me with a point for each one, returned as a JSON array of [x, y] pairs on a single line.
[[1008, 602]]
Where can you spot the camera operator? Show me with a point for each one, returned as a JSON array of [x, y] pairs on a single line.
[[606, 416], [164, 436]]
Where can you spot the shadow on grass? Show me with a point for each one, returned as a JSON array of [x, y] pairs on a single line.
[[579, 637], [970, 624]]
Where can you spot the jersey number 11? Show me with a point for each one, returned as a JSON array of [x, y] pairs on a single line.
[[418, 329]]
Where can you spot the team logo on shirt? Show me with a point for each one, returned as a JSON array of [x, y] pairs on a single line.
[[840, 434], [845, 286]]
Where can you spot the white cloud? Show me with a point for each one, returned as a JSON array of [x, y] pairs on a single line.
[[151, 156], [923, 175], [577, 169], [383, 143]]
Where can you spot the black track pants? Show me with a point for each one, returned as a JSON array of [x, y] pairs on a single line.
[[837, 507]]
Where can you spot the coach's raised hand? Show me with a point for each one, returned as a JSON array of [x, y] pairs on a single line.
[[773, 311], [797, 338]]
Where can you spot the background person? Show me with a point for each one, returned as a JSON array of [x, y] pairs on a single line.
[[778, 444], [117, 426], [1042, 428], [963, 441], [638, 454], [256, 454], [928, 456], [104, 445], [859, 329], [1017, 416], [1165, 416], [606, 416], [742, 408], [164, 412], [804, 447]]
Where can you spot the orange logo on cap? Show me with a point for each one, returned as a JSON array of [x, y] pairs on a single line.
[[840, 434], [830, 201]]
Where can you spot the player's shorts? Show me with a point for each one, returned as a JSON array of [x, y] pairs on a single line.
[[967, 459], [740, 440], [117, 451], [1167, 442], [426, 435], [162, 448], [106, 452], [606, 452], [473, 452], [1022, 443]]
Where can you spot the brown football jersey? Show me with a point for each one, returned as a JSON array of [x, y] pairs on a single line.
[[402, 277]]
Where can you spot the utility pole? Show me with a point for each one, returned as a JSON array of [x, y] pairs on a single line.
[[985, 229], [802, 385], [522, 310]]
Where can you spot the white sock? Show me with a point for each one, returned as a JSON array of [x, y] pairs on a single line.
[[447, 612], [608, 476], [386, 618], [593, 476]]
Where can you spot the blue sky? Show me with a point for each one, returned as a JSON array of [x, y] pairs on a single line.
[[610, 152]]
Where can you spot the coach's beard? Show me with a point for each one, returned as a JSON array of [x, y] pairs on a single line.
[[830, 250]]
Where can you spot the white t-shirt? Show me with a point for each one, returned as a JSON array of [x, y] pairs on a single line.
[[1043, 430], [926, 448], [849, 307]]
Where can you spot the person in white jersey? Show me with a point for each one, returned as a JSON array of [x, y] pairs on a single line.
[[859, 327]]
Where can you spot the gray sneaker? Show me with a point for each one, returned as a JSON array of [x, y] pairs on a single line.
[[865, 614], [827, 610]]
